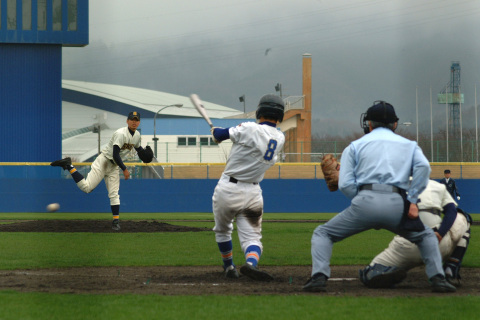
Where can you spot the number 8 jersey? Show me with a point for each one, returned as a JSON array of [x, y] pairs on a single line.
[[255, 149]]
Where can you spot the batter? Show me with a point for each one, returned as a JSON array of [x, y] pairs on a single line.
[[238, 194]]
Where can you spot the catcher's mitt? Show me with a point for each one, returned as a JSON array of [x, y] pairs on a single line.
[[146, 155], [330, 169]]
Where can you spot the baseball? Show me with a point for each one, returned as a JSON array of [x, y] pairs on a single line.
[[52, 207]]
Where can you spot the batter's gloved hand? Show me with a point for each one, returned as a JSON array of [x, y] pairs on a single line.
[[331, 170], [213, 134], [458, 197]]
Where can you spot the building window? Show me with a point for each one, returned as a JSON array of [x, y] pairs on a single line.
[[12, 14], [182, 141], [57, 15], [72, 15], [204, 141], [42, 15], [192, 141], [207, 141], [27, 14]]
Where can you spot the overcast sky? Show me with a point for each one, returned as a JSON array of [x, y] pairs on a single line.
[[362, 50]]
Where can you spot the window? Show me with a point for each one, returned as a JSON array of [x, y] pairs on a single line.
[[72, 15], [182, 141], [57, 15], [42, 15], [192, 141], [204, 141], [27, 14], [12, 14]]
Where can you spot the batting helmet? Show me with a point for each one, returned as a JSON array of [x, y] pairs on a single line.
[[271, 106]]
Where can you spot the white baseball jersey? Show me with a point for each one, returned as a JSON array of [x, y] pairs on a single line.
[[104, 167], [124, 140], [404, 254], [255, 149]]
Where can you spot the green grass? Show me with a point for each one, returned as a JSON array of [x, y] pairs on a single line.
[[284, 244], [15, 305]]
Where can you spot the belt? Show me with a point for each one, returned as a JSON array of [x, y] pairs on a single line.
[[380, 187], [233, 180], [432, 210]]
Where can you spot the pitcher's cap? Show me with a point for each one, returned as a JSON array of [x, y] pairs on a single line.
[[134, 115]]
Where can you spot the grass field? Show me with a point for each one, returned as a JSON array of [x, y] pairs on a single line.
[[285, 243]]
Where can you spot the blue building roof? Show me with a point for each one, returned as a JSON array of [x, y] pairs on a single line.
[[189, 126]]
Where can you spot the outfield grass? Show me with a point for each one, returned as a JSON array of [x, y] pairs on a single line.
[[285, 244]]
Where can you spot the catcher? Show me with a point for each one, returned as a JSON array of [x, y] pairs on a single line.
[[453, 232], [107, 163]]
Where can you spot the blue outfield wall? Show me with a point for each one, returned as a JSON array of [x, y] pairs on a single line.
[[190, 195]]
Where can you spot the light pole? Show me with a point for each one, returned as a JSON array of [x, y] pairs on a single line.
[[242, 99], [155, 139], [278, 88]]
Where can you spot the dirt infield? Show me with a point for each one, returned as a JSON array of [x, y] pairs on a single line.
[[198, 280]]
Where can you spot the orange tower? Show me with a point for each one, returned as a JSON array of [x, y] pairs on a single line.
[[297, 123]]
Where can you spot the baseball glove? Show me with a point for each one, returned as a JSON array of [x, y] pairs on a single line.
[[146, 155], [330, 169]]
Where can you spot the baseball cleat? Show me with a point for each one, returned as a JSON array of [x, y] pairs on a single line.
[[116, 225], [453, 281], [440, 284], [384, 280], [255, 274], [231, 272], [64, 163], [317, 283]]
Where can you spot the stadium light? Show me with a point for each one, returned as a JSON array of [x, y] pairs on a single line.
[[155, 139]]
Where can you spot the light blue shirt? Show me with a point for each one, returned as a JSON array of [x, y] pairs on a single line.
[[383, 157]]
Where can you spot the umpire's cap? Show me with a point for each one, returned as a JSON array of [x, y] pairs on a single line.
[[381, 111], [134, 115]]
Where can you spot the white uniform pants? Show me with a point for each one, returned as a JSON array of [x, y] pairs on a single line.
[[243, 202], [103, 168], [404, 254]]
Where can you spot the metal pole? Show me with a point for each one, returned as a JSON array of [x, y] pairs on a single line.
[[416, 108], [431, 123], [461, 129], [155, 139], [446, 106], [476, 121]]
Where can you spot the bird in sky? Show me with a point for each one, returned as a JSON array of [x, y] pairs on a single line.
[[267, 51]]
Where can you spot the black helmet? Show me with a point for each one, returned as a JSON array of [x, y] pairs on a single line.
[[271, 106]]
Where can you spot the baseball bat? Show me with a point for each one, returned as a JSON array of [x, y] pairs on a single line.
[[200, 108]]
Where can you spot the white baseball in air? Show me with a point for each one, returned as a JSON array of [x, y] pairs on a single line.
[[52, 207]]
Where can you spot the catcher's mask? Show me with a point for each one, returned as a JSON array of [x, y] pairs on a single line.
[[381, 111], [271, 106]]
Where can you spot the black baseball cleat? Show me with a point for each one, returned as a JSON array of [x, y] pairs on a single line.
[[317, 283], [440, 284], [231, 272], [116, 225], [255, 274], [64, 163], [386, 279]]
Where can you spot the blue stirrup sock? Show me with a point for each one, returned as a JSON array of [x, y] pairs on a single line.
[[252, 255], [226, 250], [115, 211]]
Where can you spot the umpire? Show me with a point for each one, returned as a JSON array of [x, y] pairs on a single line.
[[450, 184], [374, 173]]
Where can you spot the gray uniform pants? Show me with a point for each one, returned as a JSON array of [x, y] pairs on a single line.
[[372, 210]]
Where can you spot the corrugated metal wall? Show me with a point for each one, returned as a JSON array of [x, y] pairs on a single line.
[[30, 102]]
